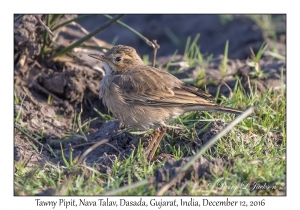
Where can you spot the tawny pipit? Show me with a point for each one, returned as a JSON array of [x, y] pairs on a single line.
[[145, 97]]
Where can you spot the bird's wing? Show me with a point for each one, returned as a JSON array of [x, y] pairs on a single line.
[[149, 86]]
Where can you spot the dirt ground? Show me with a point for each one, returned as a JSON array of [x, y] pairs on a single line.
[[73, 83]]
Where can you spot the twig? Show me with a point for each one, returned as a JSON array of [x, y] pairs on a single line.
[[33, 139], [36, 85], [210, 143], [155, 48], [85, 32], [104, 141], [112, 146], [224, 83], [79, 124], [133, 31], [43, 24], [92, 143], [80, 41], [82, 145], [151, 44], [173, 181]]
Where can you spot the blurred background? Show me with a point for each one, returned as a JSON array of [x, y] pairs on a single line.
[[172, 32]]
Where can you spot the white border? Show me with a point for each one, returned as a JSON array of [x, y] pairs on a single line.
[[187, 6]]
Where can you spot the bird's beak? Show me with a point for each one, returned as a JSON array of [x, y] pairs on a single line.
[[98, 57]]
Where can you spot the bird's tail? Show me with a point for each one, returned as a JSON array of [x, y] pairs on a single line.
[[227, 109], [217, 108]]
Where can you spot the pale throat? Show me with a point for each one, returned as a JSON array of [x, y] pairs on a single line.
[[107, 68]]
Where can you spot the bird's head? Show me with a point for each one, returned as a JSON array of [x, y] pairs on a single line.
[[119, 58]]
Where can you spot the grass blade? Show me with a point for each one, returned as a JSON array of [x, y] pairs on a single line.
[[210, 143], [63, 156], [224, 63], [132, 30], [260, 52], [43, 24], [128, 187], [80, 41], [45, 36], [18, 18], [170, 61], [80, 125], [54, 18], [187, 47], [104, 141]]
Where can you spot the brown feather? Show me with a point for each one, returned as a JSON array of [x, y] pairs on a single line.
[[146, 85], [145, 97]]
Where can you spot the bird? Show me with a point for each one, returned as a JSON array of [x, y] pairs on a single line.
[[146, 97]]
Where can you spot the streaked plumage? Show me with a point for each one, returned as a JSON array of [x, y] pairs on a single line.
[[145, 97]]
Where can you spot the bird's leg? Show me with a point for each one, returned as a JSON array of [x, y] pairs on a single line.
[[155, 136], [162, 133]]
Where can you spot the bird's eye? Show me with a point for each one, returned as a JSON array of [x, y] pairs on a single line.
[[118, 58]]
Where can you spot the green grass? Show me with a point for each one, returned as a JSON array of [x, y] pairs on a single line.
[[224, 62], [256, 157], [271, 25]]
